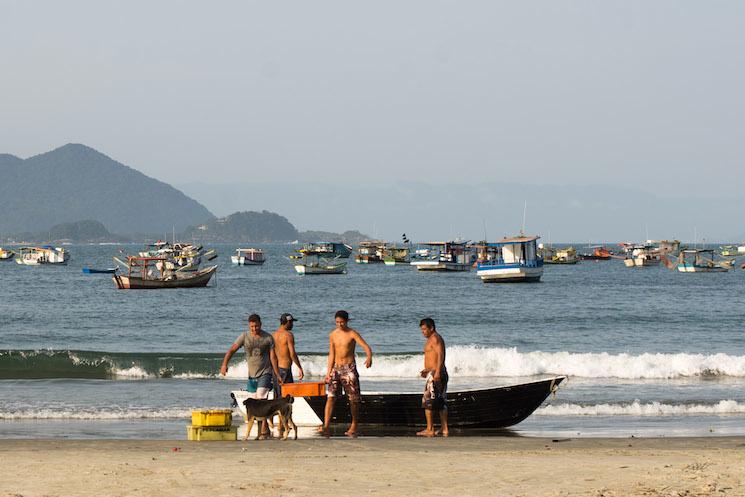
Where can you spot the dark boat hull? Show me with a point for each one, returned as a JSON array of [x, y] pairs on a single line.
[[491, 408]]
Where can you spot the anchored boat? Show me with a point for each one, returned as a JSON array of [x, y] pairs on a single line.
[[641, 255], [562, 256], [371, 252], [6, 255], [35, 256], [327, 249], [511, 260], [315, 264], [248, 257], [151, 273], [599, 253], [445, 256], [701, 261]]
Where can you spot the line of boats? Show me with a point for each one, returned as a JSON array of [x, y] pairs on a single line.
[[515, 259]]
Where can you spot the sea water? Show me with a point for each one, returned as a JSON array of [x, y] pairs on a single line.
[[648, 351]]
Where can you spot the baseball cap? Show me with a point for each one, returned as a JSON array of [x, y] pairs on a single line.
[[286, 317]]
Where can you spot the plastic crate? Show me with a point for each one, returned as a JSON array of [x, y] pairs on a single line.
[[202, 434], [304, 389], [212, 417]]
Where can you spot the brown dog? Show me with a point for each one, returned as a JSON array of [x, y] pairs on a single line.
[[261, 410]]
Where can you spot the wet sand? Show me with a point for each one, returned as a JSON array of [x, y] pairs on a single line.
[[493, 466]]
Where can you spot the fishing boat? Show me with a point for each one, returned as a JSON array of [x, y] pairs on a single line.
[[248, 257], [599, 253], [46, 254], [397, 255], [179, 256], [511, 260], [701, 261], [498, 407], [6, 255], [108, 270], [445, 256], [641, 255], [370, 252], [151, 273], [729, 251], [327, 249], [562, 256], [315, 264]]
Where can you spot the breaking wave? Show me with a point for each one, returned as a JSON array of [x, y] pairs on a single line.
[[637, 408], [93, 414], [462, 361]]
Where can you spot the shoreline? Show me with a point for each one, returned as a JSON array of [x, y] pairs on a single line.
[[506, 466]]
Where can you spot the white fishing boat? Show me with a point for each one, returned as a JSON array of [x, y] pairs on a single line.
[[701, 261], [6, 255], [510, 260], [314, 264], [641, 255], [248, 257], [445, 256], [35, 256]]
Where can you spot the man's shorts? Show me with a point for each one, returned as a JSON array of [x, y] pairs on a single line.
[[265, 382], [435, 392], [286, 376], [346, 376]]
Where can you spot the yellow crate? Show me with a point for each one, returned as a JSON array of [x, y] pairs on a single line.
[[212, 417], [201, 434]]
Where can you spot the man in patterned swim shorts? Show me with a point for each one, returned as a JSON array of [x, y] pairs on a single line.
[[435, 390], [342, 371]]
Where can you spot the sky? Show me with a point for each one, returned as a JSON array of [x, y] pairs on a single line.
[[631, 94]]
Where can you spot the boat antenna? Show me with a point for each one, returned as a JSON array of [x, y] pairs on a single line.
[[525, 209], [484, 221]]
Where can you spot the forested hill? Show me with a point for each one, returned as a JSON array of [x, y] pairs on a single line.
[[76, 182]]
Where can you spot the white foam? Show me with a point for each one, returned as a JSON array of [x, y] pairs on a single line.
[[636, 408], [93, 414], [132, 372], [471, 361]]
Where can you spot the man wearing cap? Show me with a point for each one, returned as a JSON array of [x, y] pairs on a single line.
[[284, 347]]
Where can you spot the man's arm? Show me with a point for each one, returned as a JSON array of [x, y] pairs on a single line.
[[225, 360], [275, 365], [439, 355], [330, 364], [358, 338], [293, 356]]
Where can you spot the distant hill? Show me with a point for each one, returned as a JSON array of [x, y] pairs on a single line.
[[247, 226], [75, 182], [351, 237]]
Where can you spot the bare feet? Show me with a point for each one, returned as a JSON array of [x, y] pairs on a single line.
[[445, 432], [426, 433], [325, 432], [352, 434]]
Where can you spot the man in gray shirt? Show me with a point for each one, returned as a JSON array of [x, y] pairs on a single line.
[[260, 358]]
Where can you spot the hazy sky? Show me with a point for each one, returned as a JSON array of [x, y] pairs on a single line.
[[641, 94]]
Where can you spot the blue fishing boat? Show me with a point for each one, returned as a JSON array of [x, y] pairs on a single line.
[[510, 260], [108, 270], [327, 249]]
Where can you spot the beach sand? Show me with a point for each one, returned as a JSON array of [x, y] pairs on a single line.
[[509, 466]]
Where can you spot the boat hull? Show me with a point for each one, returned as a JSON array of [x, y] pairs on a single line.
[[243, 261], [491, 408], [691, 268], [88, 270], [190, 280], [305, 269], [509, 274], [442, 266]]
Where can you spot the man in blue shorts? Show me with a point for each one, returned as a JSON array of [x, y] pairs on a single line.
[[260, 358]]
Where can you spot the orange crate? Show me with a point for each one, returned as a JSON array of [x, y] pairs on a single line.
[[305, 389]]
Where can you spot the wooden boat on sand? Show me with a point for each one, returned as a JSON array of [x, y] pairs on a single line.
[[489, 408]]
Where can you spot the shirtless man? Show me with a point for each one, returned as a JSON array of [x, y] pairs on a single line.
[[342, 371], [435, 390], [284, 347]]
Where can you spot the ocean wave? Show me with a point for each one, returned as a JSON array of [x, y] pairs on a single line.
[[92, 414], [462, 361], [637, 408]]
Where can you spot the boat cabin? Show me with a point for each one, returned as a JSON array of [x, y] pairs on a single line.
[[511, 260]]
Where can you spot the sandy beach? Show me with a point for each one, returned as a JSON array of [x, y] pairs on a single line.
[[499, 466]]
